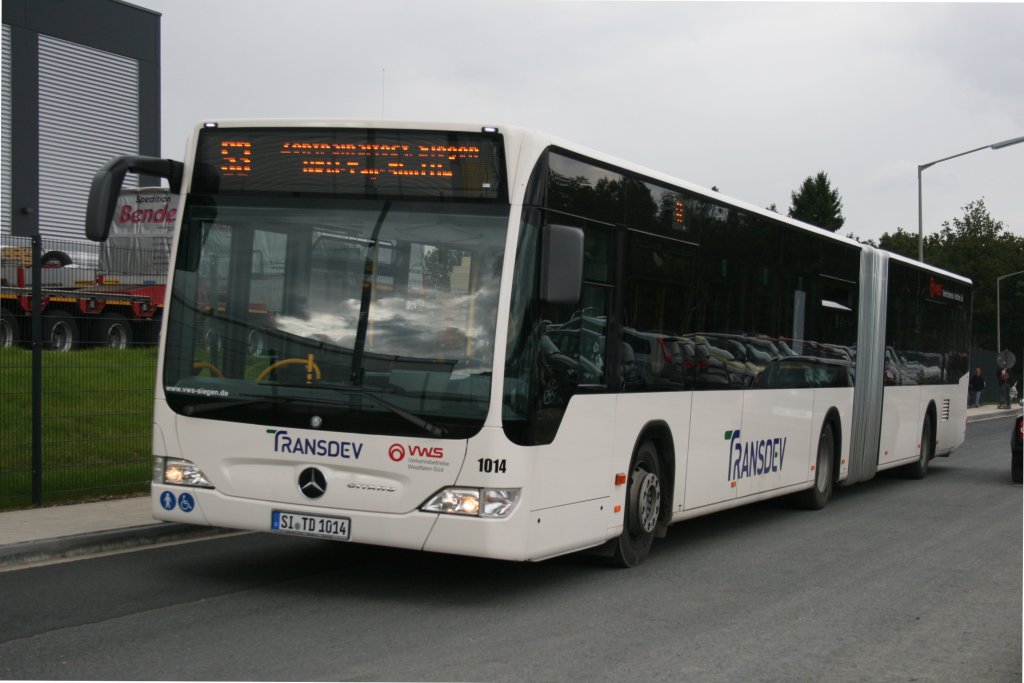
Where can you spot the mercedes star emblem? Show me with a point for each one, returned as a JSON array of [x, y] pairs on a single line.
[[312, 483]]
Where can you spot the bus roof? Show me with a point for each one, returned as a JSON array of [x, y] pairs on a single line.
[[541, 141]]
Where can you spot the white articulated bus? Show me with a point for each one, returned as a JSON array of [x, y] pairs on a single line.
[[490, 342]]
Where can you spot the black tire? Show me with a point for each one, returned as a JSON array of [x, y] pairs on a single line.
[[213, 343], [113, 331], [817, 497], [10, 330], [643, 508], [60, 331], [55, 258], [1016, 469], [919, 468], [256, 343]]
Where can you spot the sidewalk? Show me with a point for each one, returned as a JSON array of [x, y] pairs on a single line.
[[68, 531]]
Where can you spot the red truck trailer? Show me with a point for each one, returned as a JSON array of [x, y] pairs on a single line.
[[117, 301]]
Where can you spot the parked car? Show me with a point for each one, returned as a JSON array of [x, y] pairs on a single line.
[[1016, 446], [792, 372]]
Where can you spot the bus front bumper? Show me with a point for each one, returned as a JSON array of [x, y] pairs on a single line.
[[504, 539]]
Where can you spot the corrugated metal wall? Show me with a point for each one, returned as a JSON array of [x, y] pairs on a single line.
[[5, 211], [88, 113]]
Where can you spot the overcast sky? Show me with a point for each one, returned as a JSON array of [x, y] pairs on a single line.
[[751, 97]]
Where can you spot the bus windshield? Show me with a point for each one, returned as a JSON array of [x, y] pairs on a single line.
[[355, 315]]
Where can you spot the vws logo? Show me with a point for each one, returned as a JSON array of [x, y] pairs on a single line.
[[417, 457], [398, 452], [753, 458]]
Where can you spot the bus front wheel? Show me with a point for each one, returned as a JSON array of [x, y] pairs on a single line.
[[643, 508]]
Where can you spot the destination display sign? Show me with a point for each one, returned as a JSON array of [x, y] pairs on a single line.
[[351, 162]]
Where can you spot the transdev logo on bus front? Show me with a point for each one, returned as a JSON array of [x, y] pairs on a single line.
[[753, 458], [325, 448]]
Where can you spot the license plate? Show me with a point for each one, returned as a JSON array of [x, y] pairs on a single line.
[[317, 526]]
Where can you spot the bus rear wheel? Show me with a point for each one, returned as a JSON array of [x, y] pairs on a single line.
[[919, 468], [818, 496], [643, 508]]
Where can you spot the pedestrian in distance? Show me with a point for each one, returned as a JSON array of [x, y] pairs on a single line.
[[976, 385], [1004, 387]]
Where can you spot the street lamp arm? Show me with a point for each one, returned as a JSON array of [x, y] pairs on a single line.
[[921, 167], [1007, 143], [1003, 277], [970, 151], [996, 145]]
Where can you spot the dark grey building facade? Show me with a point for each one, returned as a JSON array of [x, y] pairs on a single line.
[[81, 84]]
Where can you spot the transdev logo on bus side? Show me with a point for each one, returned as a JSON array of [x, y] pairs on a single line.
[[327, 448], [753, 458]]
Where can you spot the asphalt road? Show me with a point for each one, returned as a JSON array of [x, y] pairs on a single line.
[[896, 580]]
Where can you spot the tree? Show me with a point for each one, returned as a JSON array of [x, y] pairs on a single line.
[[818, 204], [977, 246], [900, 242]]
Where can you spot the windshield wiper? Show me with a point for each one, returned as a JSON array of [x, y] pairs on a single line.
[[200, 408], [364, 304], [426, 426]]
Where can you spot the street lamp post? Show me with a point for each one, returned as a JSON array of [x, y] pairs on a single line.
[[920, 219], [999, 328]]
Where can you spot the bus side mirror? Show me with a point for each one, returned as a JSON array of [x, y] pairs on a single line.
[[106, 187], [561, 274]]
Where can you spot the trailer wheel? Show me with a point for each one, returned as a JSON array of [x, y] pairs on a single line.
[[10, 330], [256, 343], [60, 331], [114, 331]]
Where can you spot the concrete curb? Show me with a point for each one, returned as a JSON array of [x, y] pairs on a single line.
[[984, 417], [80, 545]]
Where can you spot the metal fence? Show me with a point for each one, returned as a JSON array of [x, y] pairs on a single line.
[[77, 370], [77, 378]]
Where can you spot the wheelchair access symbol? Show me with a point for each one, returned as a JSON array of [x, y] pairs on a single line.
[[185, 501]]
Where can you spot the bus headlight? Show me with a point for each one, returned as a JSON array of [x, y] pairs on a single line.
[[178, 472], [492, 503]]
